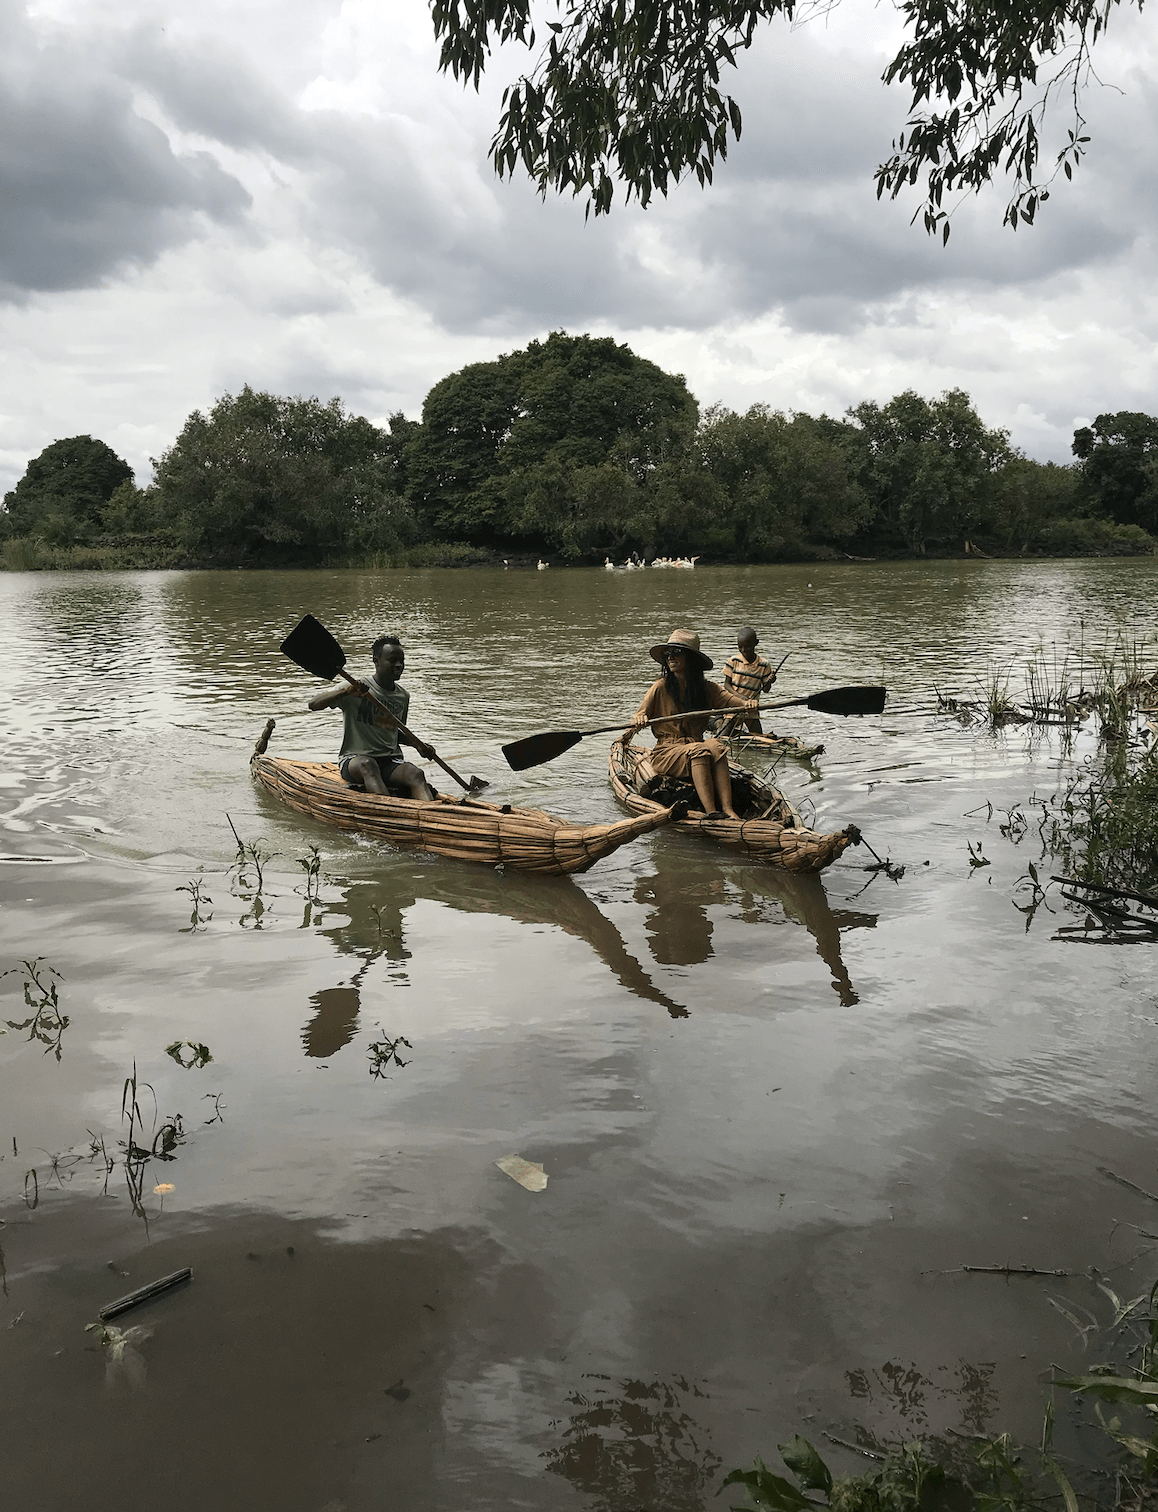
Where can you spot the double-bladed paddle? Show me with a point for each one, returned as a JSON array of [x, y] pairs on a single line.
[[315, 650], [534, 750]]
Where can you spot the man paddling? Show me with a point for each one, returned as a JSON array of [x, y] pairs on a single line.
[[370, 756]]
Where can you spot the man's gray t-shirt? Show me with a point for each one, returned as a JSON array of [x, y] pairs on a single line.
[[366, 730]]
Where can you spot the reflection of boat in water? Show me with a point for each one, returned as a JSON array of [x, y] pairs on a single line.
[[771, 829], [465, 829], [372, 930], [679, 896]]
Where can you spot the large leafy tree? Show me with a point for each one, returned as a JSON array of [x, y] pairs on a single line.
[[1029, 500], [1118, 456], [630, 91], [64, 490], [264, 477], [559, 443], [930, 465], [781, 485]]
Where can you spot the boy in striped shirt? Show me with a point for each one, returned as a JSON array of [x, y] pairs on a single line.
[[748, 675]]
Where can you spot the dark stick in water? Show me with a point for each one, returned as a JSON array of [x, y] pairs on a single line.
[[144, 1294]]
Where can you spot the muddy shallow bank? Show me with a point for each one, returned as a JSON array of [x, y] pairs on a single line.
[[774, 1117]]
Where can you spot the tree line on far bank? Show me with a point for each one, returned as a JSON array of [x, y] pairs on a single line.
[[576, 448]]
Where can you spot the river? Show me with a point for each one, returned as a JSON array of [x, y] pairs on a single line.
[[775, 1120]]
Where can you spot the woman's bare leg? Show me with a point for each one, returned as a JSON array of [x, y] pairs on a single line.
[[705, 787], [723, 785]]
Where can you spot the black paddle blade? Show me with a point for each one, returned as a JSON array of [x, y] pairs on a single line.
[[314, 649], [849, 701], [536, 749]]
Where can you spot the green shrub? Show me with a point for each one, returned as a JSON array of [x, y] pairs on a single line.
[[445, 554], [1087, 537]]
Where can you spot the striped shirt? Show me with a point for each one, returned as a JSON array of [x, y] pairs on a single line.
[[749, 678]]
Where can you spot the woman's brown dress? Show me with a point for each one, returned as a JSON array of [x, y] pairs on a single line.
[[677, 741]]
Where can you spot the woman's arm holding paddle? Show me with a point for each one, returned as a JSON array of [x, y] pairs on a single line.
[[645, 711], [720, 698]]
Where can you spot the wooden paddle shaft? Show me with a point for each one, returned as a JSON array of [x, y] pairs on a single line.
[[696, 713], [361, 688]]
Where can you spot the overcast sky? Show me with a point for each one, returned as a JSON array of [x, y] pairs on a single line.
[[195, 197]]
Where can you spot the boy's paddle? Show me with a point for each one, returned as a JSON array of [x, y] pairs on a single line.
[[534, 750], [315, 650]]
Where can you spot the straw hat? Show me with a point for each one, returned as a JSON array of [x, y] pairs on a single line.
[[682, 640]]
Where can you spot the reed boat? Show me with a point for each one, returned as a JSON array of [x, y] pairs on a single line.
[[773, 745], [465, 829], [771, 829]]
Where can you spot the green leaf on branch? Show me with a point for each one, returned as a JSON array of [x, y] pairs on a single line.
[[1111, 1388], [770, 1493], [806, 1465]]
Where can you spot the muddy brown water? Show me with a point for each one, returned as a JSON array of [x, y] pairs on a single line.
[[775, 1117]]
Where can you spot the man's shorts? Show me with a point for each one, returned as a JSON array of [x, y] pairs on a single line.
[[386, 765]]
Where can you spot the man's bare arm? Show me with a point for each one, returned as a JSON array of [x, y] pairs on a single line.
[[330, 697]]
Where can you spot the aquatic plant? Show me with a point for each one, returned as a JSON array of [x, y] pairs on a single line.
[[977, 858], [909, 1480], [1102, 826], [377, 912], [383, 1054], [215, 1099], [250, 862], [199, 1055], [46, 1023], [999, 706], [199, 898], [312, 866], [1055, 690]]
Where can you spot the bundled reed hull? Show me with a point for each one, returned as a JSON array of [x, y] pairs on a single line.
[[779, 837], [528, 839], [774, 745]]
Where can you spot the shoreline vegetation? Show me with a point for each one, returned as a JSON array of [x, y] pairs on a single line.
[[578, 452], [165, 553]]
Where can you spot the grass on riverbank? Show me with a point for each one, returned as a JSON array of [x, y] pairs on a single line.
[[141, 553], [144, 553]]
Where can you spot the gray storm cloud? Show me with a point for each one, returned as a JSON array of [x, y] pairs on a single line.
[[86, 183], [792, 223]]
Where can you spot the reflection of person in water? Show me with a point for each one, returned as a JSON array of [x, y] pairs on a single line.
[[679, 928], [680, 895], [372, 930]]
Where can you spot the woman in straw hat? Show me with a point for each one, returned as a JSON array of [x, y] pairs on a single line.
[[680, 748]]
